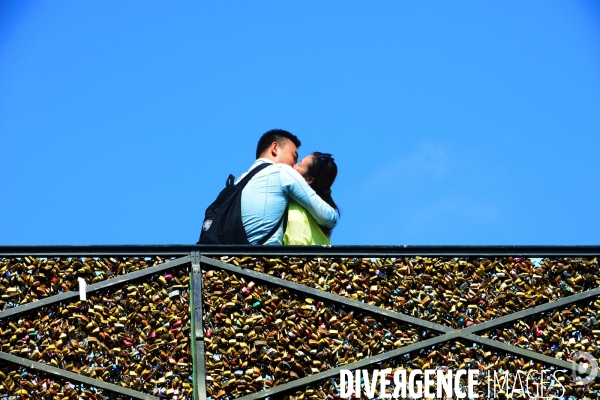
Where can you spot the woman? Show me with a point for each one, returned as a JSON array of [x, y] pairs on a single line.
[[319, 170]]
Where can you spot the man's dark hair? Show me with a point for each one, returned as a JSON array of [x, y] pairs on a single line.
[[274, 135]]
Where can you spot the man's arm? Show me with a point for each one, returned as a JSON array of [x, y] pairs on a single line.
[[295, 187]]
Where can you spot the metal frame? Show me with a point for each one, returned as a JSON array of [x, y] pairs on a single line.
[[200, 388], [301, 251], [198, 255]]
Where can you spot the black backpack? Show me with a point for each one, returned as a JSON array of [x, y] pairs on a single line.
[[223, 218]]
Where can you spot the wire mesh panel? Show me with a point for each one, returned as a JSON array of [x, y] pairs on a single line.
[[510, 294], [558, 333], [128, 334], [28, 279], [261, 335]]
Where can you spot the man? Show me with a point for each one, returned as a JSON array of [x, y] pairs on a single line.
[[265, 197]]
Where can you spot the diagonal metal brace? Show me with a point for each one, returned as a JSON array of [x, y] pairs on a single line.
[[75, 377], [330, 373], [327, 296], [565, 301], [455, 335], [518, 351]]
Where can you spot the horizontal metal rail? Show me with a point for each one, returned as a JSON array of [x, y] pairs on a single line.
[[96, 286], [75, 377], [301, 251], [97, 250]]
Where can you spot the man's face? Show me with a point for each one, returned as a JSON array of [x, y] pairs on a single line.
[[287, 153]]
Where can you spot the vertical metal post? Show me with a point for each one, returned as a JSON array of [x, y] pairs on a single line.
[[198, 334], [192, 333]]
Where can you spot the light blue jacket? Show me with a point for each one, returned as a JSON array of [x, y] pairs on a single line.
[[265, 198]]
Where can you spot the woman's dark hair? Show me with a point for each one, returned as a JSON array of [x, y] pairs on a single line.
[[323, 170]]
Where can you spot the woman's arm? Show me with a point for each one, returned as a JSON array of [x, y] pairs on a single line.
[[296, 188]]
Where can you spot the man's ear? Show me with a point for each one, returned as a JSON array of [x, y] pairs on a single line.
[[274, 149], [310, 180]]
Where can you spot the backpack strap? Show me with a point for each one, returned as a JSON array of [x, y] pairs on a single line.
[[250, 175], [245, 181], [283, 219]]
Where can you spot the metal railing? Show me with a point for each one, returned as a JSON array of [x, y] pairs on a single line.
[[196, 257]]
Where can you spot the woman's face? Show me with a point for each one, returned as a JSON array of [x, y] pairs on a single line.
[[302, 166]]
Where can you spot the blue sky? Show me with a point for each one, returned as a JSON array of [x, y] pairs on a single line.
[[459, 123]]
